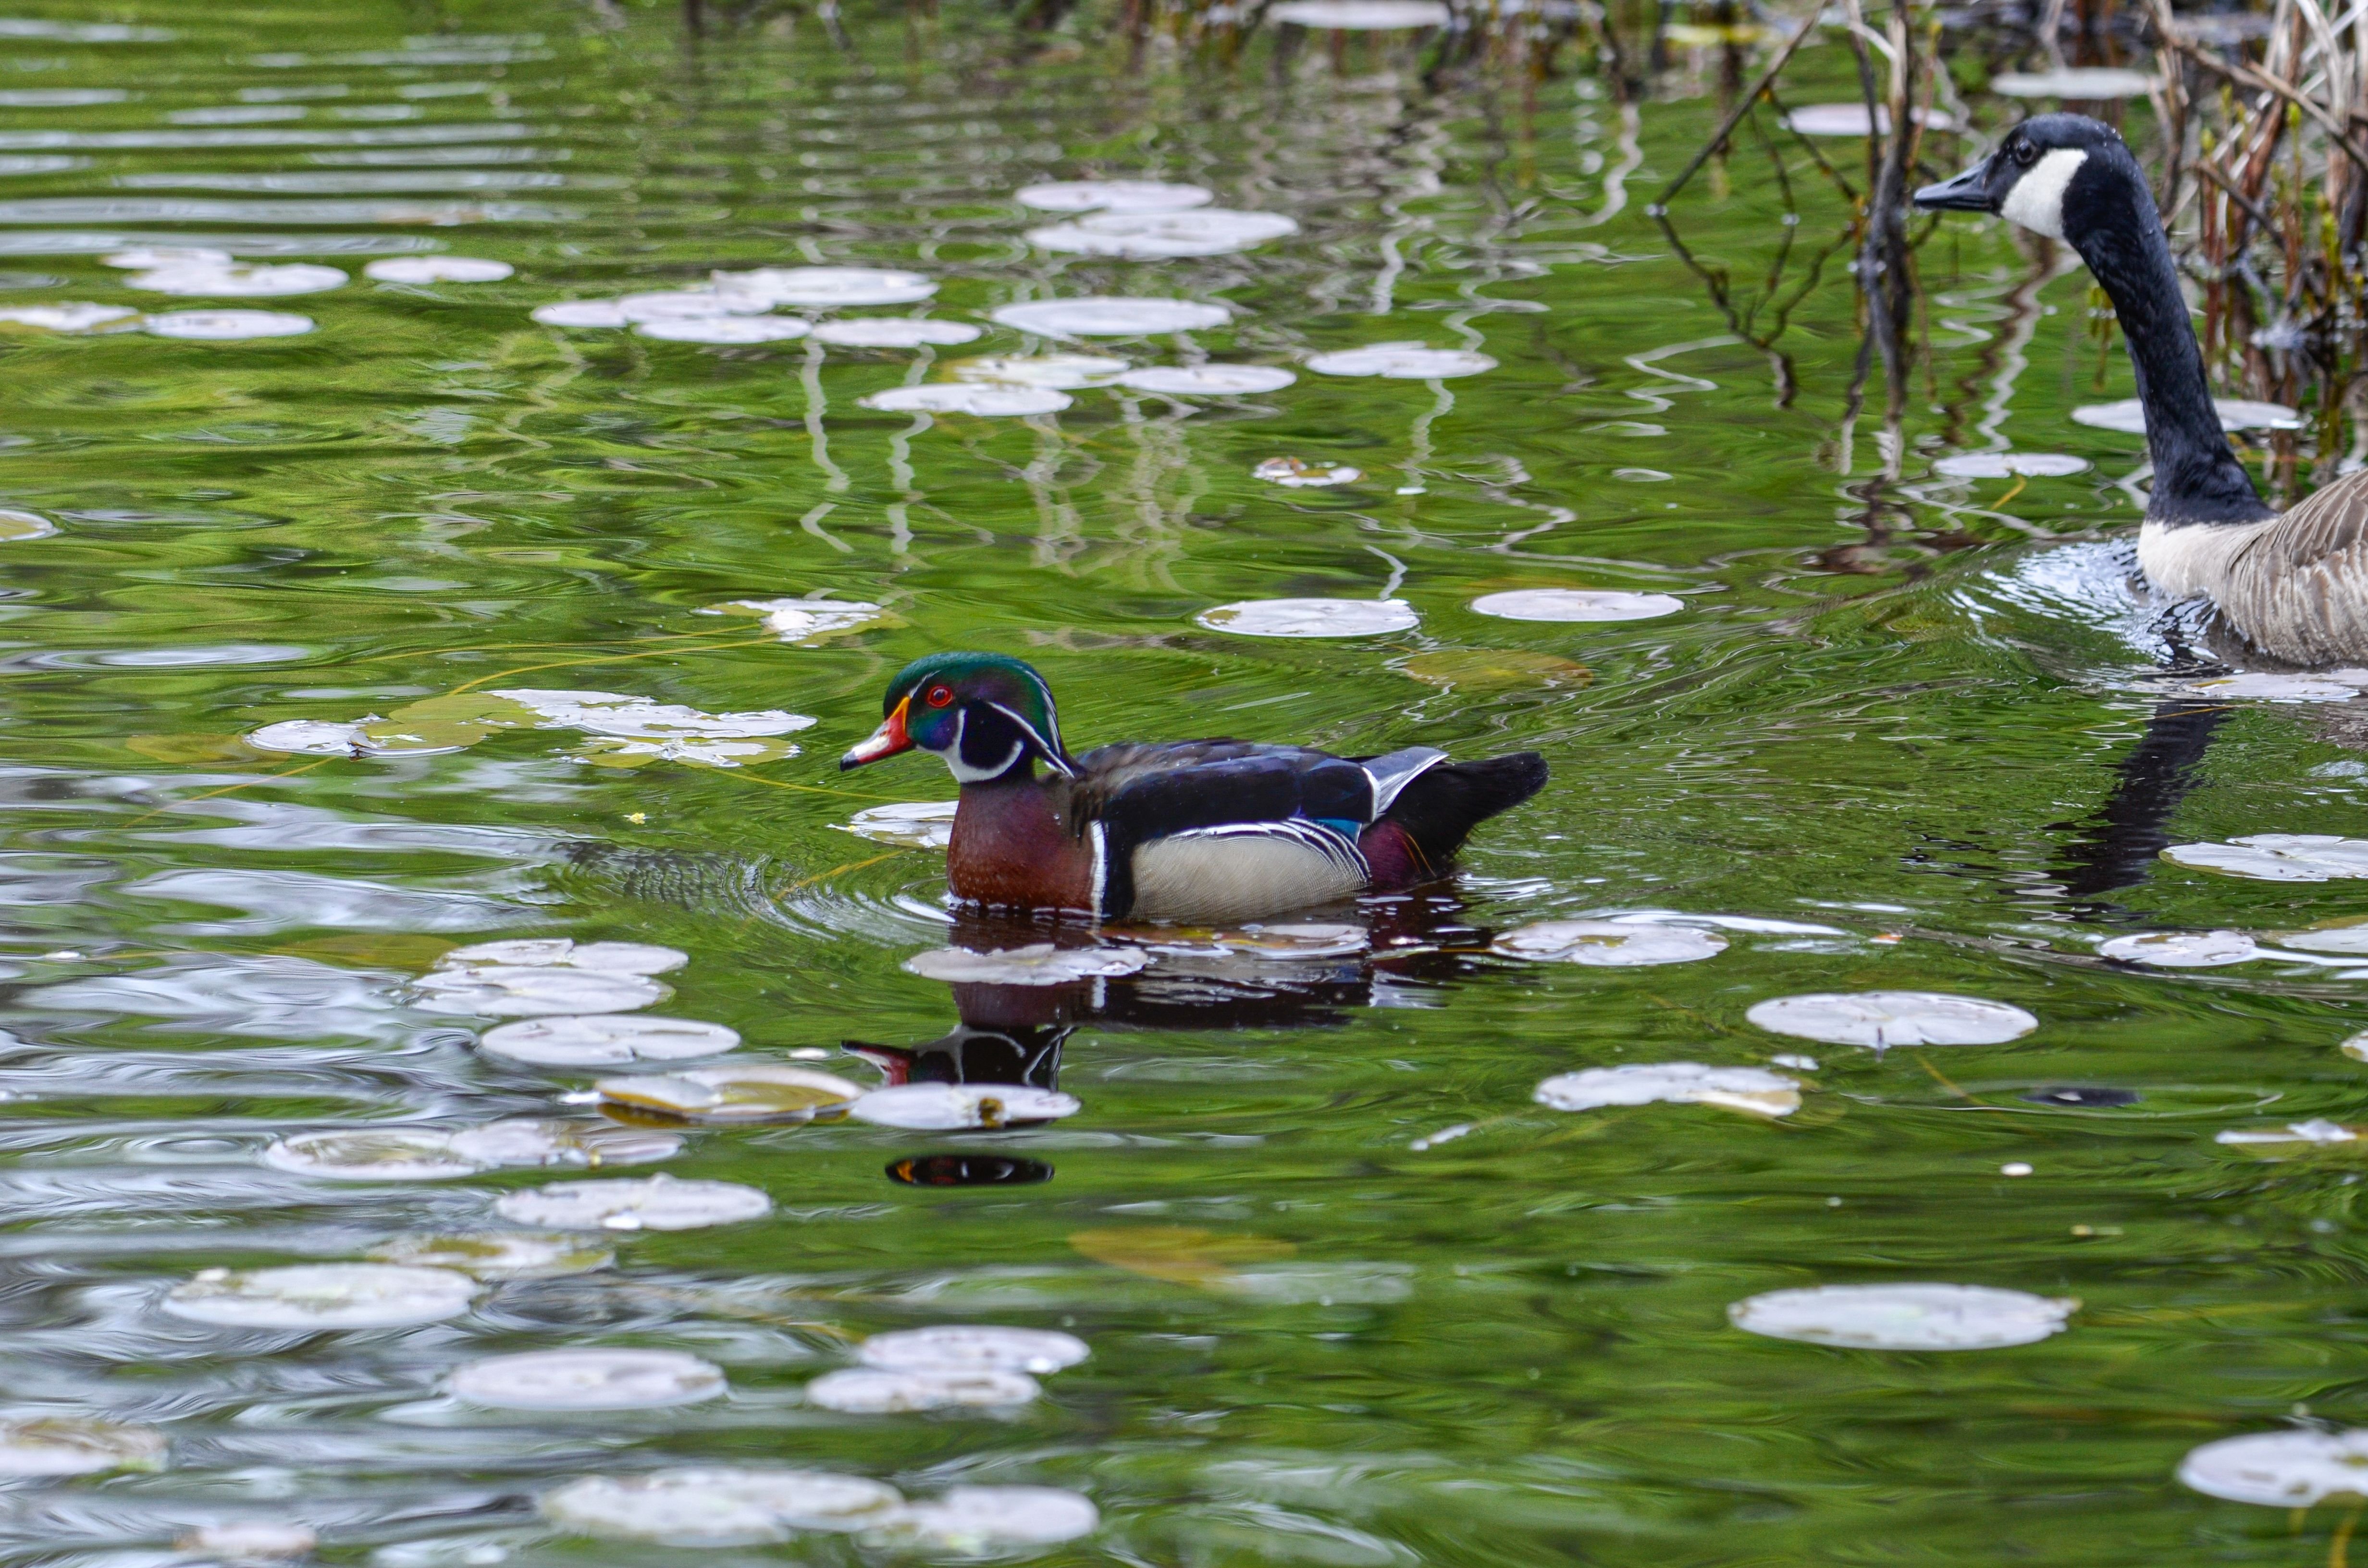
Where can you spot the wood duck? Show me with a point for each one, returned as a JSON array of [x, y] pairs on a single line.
[[1196, 832]]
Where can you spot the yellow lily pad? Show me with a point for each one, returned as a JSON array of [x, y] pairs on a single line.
[[1495, 669], [1181, 1255]]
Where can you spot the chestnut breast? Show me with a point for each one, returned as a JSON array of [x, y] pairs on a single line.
[[1012, 849]]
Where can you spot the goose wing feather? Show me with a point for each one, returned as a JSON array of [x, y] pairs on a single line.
[[2299, 588]]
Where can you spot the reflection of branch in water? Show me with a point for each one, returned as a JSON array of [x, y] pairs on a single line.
[[1743, 320], [2118, 843]]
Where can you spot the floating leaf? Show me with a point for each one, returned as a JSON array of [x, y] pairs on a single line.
[[1904, 1317], [254, 1541], [1038, 965], [2323, 686], [1359, 16], [588, 1380], [2281, 1470], [232, 279], [980, 1520], [2181, 950], [724, 329], [2128, 415], [71, 1445], [1153, 236], [1292, 473], [371, 1155], [2278, 856], [658, 1203], [894, 332], [1852, 119], [1677, 1083], [1494, 669], [1576, 604], [435, 269], [581, 313], [805, 622], [1280, 944], [717, 1505], [866, 1392], [738, 1091], [323, 1296], [548, 1140], [1310, 618], [1208, 381], [626, 729], [968, 397], [1886, 1019], [953, 1108], [2010, 465], [1113, 196], [2081, 83], [1608, 943], [496, 1255], [910, 824], [972, 1347], [827, 287], [65, 317], [612, 1039], [559, 952], [1110, 315], [514, 991], [1181, 1255], [225, 326], [1401, 362], [2316, 1130], [1062, 372]]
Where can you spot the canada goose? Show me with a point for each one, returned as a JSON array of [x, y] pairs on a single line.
[[2295, 585]]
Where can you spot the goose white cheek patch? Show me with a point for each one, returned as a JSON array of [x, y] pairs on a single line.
[[2037, 199]]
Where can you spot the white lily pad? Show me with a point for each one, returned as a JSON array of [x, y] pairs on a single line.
[[2010, 465], [2278, 856], [1904, 1317], [1159, 236], [2181, 950], [1110, 315], [1576, 604], [225, 326], [1361, 16], [1208, 381], [969, 397], [608, 1039], [437, 270], [75, 1445], [2352, 938], [1292, 473], [1310, 618], [717, 1504], [311, 737], [1038, 965], [657, 1203], [1401, 362], [1113, 196], [323, 1296], [737, 1091], [985, 1520], [588, 1380], [1608, 943], [65, 317], [1886, 1019], [1672, 1083], [1852, 119], [250, 1541], [911, 825], [371, 1155], [724, 329], [147, 258], [1278, 944], [806, 622], [223, 280], [2084, 84], [613, 713], [582, 312], [1062, 372], [2281, 1470], [828, 287], [2316, 1130], [17, 527], [2326, 685], [956, 1108], [684, 304], [514, 991], [495, 1255], [894, 332], [863, 1391], [535, 1141], [973, 1346], [2128, 415], [562, 952]]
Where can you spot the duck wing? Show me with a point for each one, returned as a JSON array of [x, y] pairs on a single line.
[[2299, 588]]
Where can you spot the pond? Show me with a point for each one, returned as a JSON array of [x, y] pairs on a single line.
[[482, 1087]]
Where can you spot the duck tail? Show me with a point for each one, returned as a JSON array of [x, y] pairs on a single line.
[[1438, 810]]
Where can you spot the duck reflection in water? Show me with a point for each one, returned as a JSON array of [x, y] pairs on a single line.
[[1306, 975]]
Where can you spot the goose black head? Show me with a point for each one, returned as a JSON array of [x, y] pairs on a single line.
[[985, 713], [2063, 176]]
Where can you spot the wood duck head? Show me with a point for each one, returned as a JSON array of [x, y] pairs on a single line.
[[989, 716]]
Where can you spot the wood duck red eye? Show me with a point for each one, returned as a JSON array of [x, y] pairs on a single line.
[[939, 696]]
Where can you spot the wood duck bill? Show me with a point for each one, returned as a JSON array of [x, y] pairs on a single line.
[[888, 740]]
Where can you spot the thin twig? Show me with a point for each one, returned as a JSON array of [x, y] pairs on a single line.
[[1743, 106], [2252, 208]]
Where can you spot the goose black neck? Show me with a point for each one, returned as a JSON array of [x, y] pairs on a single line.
[[2196, 478]]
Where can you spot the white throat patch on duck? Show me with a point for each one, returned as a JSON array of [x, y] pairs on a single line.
[[2036, 202]]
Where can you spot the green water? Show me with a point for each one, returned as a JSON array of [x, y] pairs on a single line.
[[1890, 704]]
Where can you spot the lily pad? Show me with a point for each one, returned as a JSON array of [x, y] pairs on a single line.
[[229, 279], [516, 990], [496, 1255], [1208, 381], [717, 1505], [1401, 362], [250, 1541], [611, 1039], [1886, 1019], [657, 1203], [1674, 1082], [588, 1380], [864, 1390], [562, 952], [323, 1296], [582, 314], [2278, 856], [437, 270], [1576, 604], [1110, 315], [724, 329], [1039, 964], [73, 1445], [828, 287], [987, 401], [147, 258], [1361, 16], [2181, 950], [684, 304], [2082, 84], [625, 731], [531, 1140], [225, 326], [1278, 943], [1292, 473], [2128, 415], [65, 317], [894, 332], [2281, 1470], [1310, 618], [1111, 196], [2265, 686], [1062, 372], [1608, 943], [1904, 1317], [1494, 669], [984, 1520], [737, 1091], [17, 527], [2352, 938], [955, 1108], [2316, 1130], [969, 1348], [1852, 119], [911, 825], [2010, 465], [805, 622], [371, 1155], [1155, 236]]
